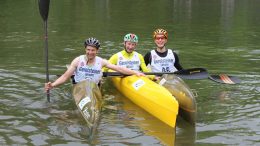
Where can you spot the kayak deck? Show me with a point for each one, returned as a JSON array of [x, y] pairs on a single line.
[[183, 94], [150, 96], [88, 97]]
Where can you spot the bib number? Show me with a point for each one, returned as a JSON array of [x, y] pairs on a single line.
[[165, 69]]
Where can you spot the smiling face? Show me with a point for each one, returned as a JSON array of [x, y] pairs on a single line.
[[91, 52], [130, 46], [160, 40]]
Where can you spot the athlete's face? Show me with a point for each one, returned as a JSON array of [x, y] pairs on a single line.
[[130, 46], [91, 52], [160, 41]]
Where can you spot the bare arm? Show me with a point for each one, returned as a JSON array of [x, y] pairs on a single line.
[[145, 68], [121, 69], [143, 65], [64, 77], [112, 60]]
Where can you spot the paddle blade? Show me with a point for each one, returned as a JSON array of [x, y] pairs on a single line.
[[225, 79], [44, 8], [193, 73]]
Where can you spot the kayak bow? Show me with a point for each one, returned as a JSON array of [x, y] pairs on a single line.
[[183, 94], [88, 97], [150, 96]]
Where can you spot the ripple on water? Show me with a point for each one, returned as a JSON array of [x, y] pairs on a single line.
[[39, 139], [18, 139], [26, 128], [230, 119]]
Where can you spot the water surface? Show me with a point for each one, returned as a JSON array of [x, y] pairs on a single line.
[[220, 35]]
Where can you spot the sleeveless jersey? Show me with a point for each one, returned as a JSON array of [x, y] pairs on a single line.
[[133, 63], [84, 71], [163, 64]]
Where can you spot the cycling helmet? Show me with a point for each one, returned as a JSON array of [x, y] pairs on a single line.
[[131, 38], [92, 42], [160, 31]]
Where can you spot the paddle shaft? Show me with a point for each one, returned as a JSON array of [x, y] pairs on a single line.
[[193, 73], [44, 11], [111, 74], [46, 57]]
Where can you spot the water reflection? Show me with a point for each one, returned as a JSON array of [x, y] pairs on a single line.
[[150, 125], [134, 117]]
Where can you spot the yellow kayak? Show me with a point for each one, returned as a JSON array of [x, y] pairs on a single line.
[[152, 97]]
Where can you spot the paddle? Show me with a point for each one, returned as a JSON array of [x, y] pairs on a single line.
[[193, 73], [225, 79], [44, 11]]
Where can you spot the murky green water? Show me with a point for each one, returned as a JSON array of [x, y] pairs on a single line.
[[220, 35]]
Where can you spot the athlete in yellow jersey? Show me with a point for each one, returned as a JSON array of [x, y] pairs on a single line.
[[128, 57]]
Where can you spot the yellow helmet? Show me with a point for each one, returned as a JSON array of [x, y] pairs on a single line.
[[160, 31]]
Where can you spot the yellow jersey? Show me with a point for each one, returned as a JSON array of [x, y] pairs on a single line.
[[114, 59]]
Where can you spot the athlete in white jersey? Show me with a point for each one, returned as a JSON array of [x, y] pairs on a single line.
[[162, 64], [162, 59], [89, 66], [91, 72]]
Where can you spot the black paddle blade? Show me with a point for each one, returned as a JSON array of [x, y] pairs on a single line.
[[193, 73], [44, 8], [225, 79]]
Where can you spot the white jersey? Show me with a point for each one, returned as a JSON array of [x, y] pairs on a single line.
[[163, 64], [91, 72], [133, 64]]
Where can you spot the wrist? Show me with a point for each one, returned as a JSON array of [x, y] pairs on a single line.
[[52, 85], [136, 73]]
